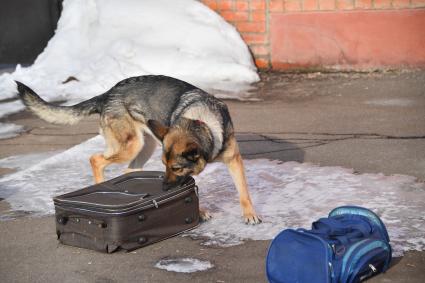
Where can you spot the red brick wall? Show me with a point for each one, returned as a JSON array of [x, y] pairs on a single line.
[[250, 17], [263, 24]]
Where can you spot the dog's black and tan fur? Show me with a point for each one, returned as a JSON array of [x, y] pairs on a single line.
[[194, 128]]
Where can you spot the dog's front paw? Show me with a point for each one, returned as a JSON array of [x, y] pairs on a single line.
[[204, 215], [252, 219]]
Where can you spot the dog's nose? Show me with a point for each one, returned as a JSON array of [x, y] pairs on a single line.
[[167, 184]]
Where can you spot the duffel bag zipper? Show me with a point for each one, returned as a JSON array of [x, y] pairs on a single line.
[[349, 252], [369, 267], [374, 246]]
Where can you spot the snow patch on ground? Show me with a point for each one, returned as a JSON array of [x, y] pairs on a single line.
[[8, 130], [184, 265], [10, 107], [24, 161], [101, 42], [286, 195], [402, 102]]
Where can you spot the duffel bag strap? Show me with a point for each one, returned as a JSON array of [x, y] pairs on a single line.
[[364, 227], [330, 226], [346, 239], [359, 230]]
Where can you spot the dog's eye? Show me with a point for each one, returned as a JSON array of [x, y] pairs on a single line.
[[192, 155], [176, 168]]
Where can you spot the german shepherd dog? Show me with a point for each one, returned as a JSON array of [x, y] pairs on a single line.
[[193, 126]]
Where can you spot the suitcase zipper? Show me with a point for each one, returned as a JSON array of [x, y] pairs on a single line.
[[135, 209], [155, 203], [127, 206]]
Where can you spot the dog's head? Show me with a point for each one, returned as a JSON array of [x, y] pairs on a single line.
[[182, 154]]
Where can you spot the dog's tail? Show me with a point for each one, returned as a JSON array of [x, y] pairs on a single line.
[[65, 115]]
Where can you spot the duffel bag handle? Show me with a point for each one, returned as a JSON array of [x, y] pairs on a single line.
[[329, 226], [336, 228]]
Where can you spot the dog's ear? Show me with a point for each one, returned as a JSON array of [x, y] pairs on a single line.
[[158, 129]]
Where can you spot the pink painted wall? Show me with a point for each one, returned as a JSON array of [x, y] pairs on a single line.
[[350, 39]]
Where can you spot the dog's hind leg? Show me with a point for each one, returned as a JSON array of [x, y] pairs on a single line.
[[123, 144], [149, 146]]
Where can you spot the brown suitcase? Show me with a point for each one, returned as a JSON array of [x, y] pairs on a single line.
[[128, 212]]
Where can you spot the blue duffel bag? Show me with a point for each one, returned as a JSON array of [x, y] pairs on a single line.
[[350, 245]]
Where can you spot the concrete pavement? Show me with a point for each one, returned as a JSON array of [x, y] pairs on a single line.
[[370, 122]]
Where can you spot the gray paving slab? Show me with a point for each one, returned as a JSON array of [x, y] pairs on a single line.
[[371, 122]]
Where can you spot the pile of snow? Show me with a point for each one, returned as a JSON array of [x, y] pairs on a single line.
[[184, 265], [100, 42], [286, 195]]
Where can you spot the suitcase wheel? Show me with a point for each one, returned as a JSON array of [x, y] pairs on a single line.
[[142, 240], [62, 220], [102, 225]]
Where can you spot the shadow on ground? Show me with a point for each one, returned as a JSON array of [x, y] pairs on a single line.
[[254, 146]]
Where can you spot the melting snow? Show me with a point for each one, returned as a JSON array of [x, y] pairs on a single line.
[[24, 161], [8, 130], [101, 42], [289, 194], [402, 102], [185, 265], [10, 108]]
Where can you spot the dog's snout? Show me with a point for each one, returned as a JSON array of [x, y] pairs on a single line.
[[167, 186], [171, 181]]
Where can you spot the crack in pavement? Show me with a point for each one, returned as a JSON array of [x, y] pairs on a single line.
[[281, 150], [315, 142], [349, 135]]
